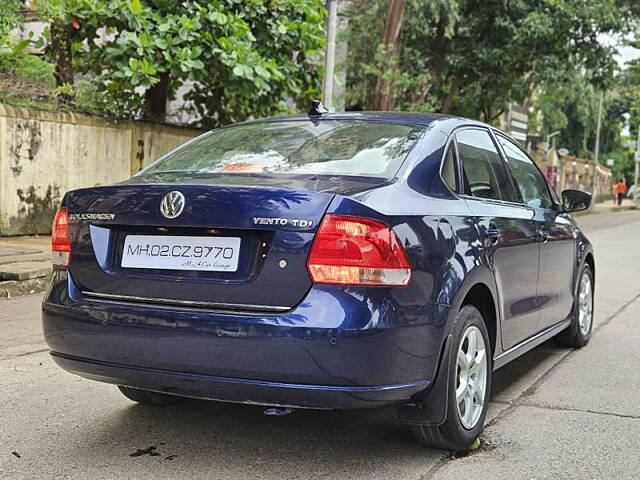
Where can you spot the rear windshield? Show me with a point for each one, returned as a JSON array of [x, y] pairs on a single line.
[[328, 147]]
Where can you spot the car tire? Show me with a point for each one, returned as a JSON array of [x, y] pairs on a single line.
[[460, 428], [578, 334], [147, 397]]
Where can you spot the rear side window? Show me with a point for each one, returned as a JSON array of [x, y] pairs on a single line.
[[531, 183], [450, 169], [483, 172], [330, 147]]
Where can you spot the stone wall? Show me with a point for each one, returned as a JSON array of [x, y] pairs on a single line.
[[44, 154]]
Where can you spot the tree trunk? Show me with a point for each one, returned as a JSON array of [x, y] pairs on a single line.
[[447, 103], [156, 98], [61, 53], [384, 98]]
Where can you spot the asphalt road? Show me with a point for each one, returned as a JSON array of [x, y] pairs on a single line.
[[555, 413]]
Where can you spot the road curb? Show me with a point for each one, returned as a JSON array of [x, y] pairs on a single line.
[[16, 288]]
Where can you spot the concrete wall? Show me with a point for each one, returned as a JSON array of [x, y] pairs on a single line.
[[574, 172], [43, 154]]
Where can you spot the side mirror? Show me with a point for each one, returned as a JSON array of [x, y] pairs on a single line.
[[575, 200]]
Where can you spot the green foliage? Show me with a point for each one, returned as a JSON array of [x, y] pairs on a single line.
[[28, 69], [25, 80], [630, 88], [88, 99], [246, 57], [623, 166], [64, 91], [472, 58], [569, 105], [9, 19]]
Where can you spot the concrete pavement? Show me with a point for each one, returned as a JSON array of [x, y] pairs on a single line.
[[25, 264], [555, 413], [578, 415]]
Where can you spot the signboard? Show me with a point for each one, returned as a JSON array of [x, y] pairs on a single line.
[[518, 123], [610, 162]]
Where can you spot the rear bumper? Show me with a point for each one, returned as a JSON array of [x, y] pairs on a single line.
[[241, 390], [337, 349]]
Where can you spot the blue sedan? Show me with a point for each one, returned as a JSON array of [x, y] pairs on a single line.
[[330, 261]]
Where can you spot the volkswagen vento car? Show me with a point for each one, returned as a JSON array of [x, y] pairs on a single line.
[[329, 261]]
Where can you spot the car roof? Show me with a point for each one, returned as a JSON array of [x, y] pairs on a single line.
[[414, 118]]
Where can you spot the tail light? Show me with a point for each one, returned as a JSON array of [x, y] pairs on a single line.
[[60, 243], [357, 251]]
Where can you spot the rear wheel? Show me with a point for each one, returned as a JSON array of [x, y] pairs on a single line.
[[147, 397], [579, 333], [469, 386]]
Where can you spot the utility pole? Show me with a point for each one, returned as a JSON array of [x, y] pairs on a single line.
[[330, 54], [597, 152], [637, 162]]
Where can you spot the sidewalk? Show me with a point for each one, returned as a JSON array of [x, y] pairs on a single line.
[[610, 206], [25, 264]]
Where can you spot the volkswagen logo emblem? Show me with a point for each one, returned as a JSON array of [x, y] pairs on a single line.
[[172, 204]]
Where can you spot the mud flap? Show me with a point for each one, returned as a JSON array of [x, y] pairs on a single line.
[[432, 409]]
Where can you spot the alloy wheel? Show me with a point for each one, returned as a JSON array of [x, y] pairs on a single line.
[[585, 304], [471, 378]]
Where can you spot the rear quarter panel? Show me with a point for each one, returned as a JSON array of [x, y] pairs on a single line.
[[443, 248], [439, 232]]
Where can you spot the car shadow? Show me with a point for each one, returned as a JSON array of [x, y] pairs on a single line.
[[518, 376], [199, 434], [231, 438]]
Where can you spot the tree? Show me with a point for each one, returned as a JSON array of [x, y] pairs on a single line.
[[245, 57], [472, 58], [384, 98], [569, 102], [630, 84], [568, 105], [60, 32]]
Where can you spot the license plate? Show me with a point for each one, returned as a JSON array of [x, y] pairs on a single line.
[[212, 254]]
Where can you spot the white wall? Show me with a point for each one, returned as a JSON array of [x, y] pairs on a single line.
[[43, 155]]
